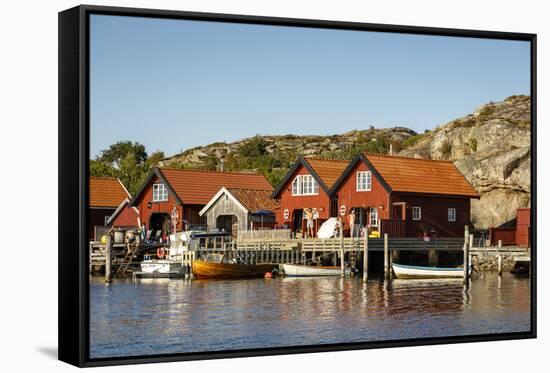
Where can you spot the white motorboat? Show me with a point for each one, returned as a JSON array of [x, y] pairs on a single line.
[[299, 270], [407, 271], [171, 263]]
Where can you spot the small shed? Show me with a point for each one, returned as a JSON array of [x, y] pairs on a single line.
[[125, 216], [240, 209]]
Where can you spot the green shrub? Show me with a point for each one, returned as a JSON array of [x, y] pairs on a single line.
[[473, 144], [411, 141], [445, 149]]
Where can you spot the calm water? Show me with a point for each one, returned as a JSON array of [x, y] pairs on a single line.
[[171, 316]]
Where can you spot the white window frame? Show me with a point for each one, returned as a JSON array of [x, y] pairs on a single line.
[[160, 192], [305, 185], [416, 216], [363, 181], [451, 217], [371, 215]]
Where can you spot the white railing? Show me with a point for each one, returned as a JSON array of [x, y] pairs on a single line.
[[264, 234]]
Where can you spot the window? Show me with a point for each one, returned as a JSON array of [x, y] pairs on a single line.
[[451, 214], [304, 185], [363, 181], [160, 193], [417, 213], [373, 217]]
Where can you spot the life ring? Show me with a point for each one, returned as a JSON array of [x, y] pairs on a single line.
[[160, 252]]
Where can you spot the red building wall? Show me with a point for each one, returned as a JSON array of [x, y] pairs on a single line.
[[186, 212], [523, 227], [349, 197], [127, 217], [96, 217], [434, 214], [289, 202]]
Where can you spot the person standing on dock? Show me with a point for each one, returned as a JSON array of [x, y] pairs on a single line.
[[309, 222], [351, 221]]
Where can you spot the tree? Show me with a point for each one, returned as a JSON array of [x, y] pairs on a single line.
[[118, 151]]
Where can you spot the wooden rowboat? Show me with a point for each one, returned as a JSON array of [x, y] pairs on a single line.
[[219, 267], [298, 270], [406, 271]]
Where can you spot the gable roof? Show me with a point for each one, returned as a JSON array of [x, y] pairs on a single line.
[[414, 175], [198, 187], [325, 171], [119, 210], [107, 192], [250, 200]]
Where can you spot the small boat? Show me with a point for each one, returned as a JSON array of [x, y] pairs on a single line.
[[221, 267], [300, 270], [161, 268], [407, 271]]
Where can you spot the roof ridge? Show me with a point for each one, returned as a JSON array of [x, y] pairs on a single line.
[[327, 159], [105, 177], [405, 157], [211, 171]]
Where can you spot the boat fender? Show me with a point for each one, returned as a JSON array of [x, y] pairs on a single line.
[[160, 252], [268, 275]]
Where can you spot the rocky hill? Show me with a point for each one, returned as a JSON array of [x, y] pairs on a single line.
[[490, 147]]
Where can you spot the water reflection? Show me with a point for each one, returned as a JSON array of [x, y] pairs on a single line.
[[154, 316]]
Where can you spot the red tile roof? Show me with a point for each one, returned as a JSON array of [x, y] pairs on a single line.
[[198, 187], [414, 175], [255, 200], [107, 192], [329, 170]]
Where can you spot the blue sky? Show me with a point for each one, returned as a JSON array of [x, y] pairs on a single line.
[[173, 84]]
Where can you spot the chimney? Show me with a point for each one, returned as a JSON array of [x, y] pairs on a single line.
[[221, 164], [391, 149]]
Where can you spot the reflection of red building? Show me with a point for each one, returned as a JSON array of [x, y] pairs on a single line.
[[405, 197], [106, 195], [188, 191], [308, 185]]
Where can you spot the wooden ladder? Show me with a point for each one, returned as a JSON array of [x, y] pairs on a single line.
[[353, 254], [123, 267]]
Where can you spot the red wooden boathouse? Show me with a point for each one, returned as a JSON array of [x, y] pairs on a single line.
[[188, 191], [307, 185], [405, 197], [106, 195]]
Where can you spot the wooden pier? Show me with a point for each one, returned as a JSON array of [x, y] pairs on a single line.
[[340, 251]]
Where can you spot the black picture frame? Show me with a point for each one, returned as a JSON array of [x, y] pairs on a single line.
[[74, 173]]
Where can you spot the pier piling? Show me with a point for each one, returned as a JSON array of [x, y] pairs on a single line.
[[365, 255], [467, 255], [499, 264], [108, 258], [386, 256], [342, 253]]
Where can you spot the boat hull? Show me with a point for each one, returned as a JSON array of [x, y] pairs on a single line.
[[202, 269], [404, 271], [298, 270], [160, 266]]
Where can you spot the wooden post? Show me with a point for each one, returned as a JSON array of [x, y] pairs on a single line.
[[466, 263], [499, 245], [365, 255], [191, 265], [386, 256], [342, 269], [499, 264], [108, 258]]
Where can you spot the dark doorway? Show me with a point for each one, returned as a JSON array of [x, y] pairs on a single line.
[[160, 222], [297, 217], [227, 223], [333, 208], [398, 211]]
